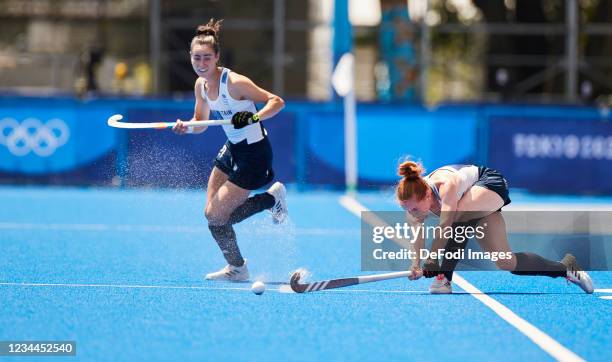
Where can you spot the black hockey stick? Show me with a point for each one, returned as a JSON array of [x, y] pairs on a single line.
[[297, 287]]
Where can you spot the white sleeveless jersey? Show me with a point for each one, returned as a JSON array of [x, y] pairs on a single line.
[[225, 106], [468, 176]]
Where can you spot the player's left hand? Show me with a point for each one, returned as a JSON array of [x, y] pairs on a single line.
[[243, 119], [431, 268], [179, 128], [417, 273]]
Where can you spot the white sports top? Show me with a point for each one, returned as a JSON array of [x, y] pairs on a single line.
[[225, 106], [468, 176]]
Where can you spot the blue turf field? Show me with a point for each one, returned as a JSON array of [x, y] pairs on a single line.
[[120, 272]]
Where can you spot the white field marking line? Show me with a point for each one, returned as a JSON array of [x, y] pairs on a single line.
[[607, 297], [127, 286], [603, 290], [352, 205], [543, 340], [121, 286], [158, 228]]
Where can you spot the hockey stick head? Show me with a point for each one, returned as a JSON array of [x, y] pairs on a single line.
[[116, 122], [295, 282], [114, 119]]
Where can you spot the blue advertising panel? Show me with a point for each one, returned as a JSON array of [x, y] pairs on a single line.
[[52, 139], [553, 155], [384, 139]]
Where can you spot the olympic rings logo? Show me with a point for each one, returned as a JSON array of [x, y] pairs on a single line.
[[32, 135]]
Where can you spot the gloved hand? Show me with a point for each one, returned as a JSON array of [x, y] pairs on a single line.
[[243, 119], [431, 268]]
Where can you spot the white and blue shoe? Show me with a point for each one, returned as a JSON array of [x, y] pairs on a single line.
[[576, 275], [441, 285], [279, 210], [231, 273]]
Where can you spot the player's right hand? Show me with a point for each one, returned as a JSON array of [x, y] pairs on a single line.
[[179, 128]]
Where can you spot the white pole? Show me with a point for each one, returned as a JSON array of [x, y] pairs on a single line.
[[350, 141], [343, 80]]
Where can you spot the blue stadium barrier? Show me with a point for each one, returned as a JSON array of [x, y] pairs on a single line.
[[552, 154], [385, 138], [55, 140], [308, 142]]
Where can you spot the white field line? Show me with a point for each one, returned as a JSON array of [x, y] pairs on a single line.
[[603, 290], [541, 339], [118, 286], [281, 289], [163, 228], [609, 297]]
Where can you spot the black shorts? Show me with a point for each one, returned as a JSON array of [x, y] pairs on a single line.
[[247, 165], [494, 181]]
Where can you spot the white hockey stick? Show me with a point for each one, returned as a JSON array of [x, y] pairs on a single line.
[[115, 121]]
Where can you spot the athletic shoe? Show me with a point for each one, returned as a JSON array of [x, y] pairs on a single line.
[[279, 210], [440, 285], [231, 273], [576, 275]]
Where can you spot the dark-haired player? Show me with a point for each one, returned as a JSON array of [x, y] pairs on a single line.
[[244, 163]]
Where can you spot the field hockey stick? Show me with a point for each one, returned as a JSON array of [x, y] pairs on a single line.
[[297, 287], [115, 121]]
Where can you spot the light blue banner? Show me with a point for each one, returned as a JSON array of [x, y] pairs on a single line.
[[385, 138], [52, 140]]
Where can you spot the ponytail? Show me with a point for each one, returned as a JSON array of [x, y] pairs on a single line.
[[208, 34], [412, 183]]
